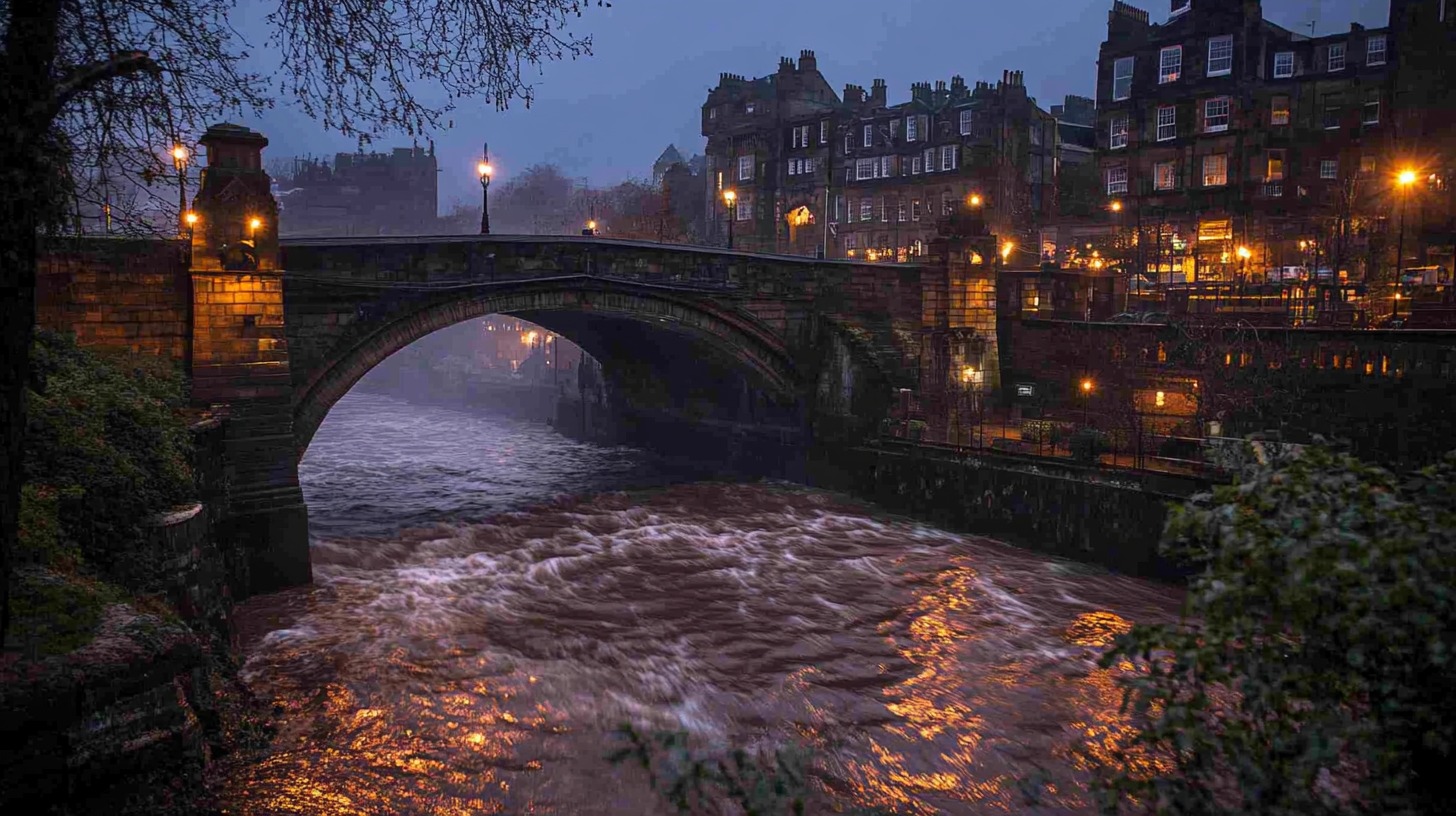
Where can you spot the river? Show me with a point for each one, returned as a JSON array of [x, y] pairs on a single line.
[[492, 600]]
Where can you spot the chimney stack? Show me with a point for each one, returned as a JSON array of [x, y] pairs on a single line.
[[878, 95], [807, 62]]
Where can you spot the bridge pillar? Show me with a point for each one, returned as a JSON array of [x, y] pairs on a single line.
[[239, 358], [962, 361]]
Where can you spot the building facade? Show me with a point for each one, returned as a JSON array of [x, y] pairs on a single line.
[[391, 193], [812, 172], [1230, 147]]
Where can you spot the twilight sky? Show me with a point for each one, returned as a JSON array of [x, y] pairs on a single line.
[[607, 117]]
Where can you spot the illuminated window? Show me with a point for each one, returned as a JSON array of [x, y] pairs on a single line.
[[1274, 164], [1170, 64], [1165, 176], [1159, 399], [1215, 170], [1279, 110]]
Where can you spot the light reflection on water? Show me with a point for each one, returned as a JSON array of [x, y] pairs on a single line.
[[458, 658]]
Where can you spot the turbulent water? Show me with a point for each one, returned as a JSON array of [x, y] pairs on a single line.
[[493, 600]]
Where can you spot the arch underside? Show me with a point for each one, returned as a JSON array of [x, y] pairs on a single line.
[[609, 320]]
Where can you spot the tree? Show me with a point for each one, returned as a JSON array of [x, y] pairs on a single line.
[[1312, 670], [98, 88]]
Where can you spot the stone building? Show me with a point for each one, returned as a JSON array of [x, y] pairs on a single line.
[[793, 151], [1230, 147], [1425, 121], [391, 193], [906, 166], [757, 128]]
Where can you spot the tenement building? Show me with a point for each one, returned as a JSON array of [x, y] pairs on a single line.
[[1231, 148], [361, 194], [800, 170]]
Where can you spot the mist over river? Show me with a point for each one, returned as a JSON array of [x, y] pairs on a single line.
[[492, 600]]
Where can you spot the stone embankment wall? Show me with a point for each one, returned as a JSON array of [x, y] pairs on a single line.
[[123, 725], [1112, 519], [117, 292]]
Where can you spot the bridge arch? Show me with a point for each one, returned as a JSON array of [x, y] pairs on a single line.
[[323, 372]]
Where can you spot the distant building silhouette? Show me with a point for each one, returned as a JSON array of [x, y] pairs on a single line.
[[391, 193]]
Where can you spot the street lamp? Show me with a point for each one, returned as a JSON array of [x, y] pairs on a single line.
[[253, 225], [591, 228], [731, 199], [1006, 251], [1244, 255], [1403, 182], [484, 170], [179, 160], [974, 200], [1115, 206], [190, 219]]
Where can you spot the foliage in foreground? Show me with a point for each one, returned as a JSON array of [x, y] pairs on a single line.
[[107, 446], [1313, 670]]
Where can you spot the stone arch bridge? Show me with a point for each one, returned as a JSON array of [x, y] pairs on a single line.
[[695, 343]]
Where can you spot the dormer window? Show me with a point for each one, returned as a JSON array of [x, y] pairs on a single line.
[[1335, 57], [1375, 50], [1179, 6]]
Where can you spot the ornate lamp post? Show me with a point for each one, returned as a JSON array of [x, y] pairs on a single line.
[[731, 199], [484, 170], [179, 160], [253, 225]]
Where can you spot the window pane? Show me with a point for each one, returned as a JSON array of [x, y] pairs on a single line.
[[1216, 114], [1170, 64], [1167, 123], [1220, 55], [1122, 78], [1283, 64]]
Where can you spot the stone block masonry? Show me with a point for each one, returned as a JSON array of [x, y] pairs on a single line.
[[116, 292]]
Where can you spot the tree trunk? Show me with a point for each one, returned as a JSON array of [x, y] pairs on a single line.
[[26, 90]]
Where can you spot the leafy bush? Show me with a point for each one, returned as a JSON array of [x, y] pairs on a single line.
[[1313, 669], [1088, 444], [106, 447]]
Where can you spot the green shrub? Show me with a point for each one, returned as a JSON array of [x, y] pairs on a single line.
[[106, 447], [1313, 670], [1088, 444]]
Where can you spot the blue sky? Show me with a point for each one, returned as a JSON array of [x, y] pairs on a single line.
[[606, 117]]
